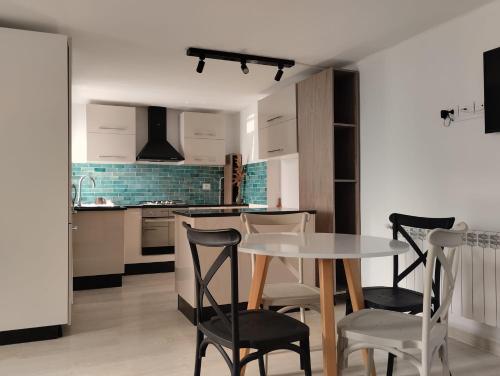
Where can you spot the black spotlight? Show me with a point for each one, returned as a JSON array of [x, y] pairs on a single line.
[[279, 73], [201, 65], [244, 67]]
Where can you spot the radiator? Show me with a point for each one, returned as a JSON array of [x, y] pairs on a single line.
[[477, 288]]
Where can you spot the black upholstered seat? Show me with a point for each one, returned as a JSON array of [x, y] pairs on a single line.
[[393, 298], [259, 329]]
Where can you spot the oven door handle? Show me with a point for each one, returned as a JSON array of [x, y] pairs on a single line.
[[156, 220]]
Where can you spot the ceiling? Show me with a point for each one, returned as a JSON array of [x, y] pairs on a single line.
[[133, 51]]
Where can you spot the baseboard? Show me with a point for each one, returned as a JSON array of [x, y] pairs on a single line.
[[97, 282], [473, 340], [151, 251], [150, 268], [43, 333]]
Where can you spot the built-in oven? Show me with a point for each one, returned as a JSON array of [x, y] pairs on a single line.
[[158, 231]]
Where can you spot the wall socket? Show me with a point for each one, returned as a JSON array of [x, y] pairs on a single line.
[[205, 186], [469, 111]]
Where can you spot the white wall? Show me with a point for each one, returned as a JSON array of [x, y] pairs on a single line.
[[410, 163], [290, 182]]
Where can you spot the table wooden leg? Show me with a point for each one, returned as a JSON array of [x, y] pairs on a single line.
[[326, 278], [353, 275], [256, 289]]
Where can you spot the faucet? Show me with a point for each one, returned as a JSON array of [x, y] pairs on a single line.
[[79, 193], [220, 190]]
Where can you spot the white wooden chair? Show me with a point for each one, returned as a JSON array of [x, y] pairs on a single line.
[[288, 295], [413, 338]]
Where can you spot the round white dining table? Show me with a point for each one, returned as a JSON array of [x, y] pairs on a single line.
[[326, 248]]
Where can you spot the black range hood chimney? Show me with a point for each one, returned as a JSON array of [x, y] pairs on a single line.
[[157, 149]]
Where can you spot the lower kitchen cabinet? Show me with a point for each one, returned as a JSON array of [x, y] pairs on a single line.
[[98, 249]]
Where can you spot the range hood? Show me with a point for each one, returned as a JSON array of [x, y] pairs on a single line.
[[157, 149]]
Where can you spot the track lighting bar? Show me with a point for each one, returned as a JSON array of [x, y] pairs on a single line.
[[243, 59], [233, 56]]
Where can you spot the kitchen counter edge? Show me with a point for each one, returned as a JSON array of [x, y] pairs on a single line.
[[236, 212]]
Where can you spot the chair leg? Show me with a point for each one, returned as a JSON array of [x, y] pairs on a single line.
[[262, 367], [443, 354], [197, 363], [236, 369], [348, 307], [266, 356], [303, 314], [371, 363], [341, 358], [305, 357], [390, 364]]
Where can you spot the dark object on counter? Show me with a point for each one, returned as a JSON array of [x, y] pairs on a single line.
[[262, 330]]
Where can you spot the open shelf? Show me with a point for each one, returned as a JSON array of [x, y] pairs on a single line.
[[345, 125], [345, 153], [345, 208], [345, 97]]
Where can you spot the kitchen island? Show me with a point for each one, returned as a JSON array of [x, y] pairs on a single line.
[[217, 219]]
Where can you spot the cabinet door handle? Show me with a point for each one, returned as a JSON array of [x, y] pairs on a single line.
[[275, 150], [274, 118], [113, 128], [204, 134], [112, 156], [74, 228], [149, 229]]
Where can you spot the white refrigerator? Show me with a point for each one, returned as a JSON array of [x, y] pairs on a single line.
[[35, 211]]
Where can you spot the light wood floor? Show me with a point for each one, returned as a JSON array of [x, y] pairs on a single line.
[[137, 331]]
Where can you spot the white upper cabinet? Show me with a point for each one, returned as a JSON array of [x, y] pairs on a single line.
[[278, 124], [111, 133], [203, 138], [277, 107], [110, 119], [201, 125]]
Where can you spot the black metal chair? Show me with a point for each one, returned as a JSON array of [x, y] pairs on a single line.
[[397, 298], [261, 330]]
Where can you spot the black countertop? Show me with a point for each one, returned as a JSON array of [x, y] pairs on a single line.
[[236, 212], [138, 206], [181, 206], [99, 208]]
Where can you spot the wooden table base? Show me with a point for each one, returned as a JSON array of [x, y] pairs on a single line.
[[326, 275], [326, 281]]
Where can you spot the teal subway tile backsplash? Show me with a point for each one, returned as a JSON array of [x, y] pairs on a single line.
[[255, 183], [127, 184]]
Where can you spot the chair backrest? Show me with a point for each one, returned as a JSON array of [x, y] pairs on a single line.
[[443, 254], [399, 221], [228, 239], [293, 222]]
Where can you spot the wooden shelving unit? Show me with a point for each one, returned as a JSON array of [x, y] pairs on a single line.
[[230, 189], [328, 138]]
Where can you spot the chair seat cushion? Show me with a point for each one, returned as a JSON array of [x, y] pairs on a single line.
[[289, 294], [393, 298], [259, 329], [387, 328]]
